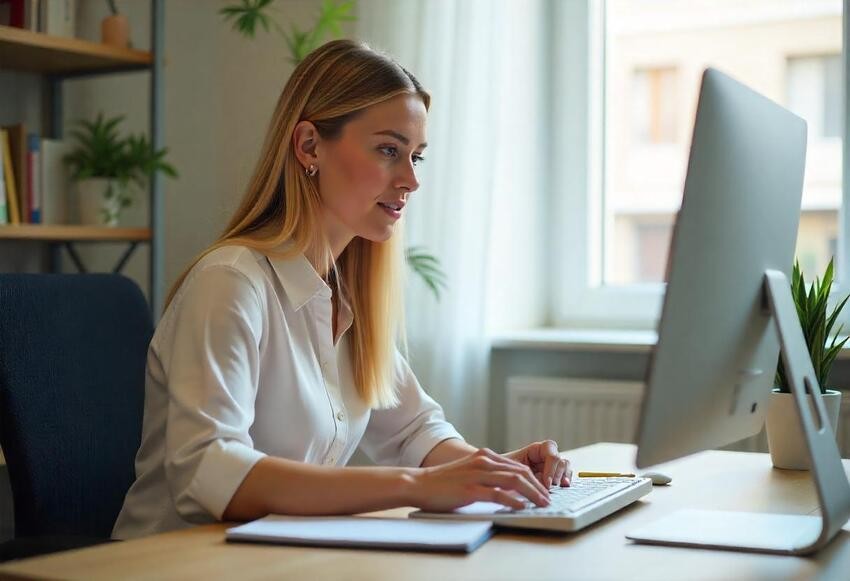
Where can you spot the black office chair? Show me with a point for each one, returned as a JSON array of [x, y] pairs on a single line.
[[72, 364]]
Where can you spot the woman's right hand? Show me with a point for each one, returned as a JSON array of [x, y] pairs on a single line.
[[482, 476]]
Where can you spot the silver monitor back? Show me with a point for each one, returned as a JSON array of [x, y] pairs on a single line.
[[712, 370]]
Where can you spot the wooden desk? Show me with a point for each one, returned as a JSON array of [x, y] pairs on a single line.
[[722, 480]]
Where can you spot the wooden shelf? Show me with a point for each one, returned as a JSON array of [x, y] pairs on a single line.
[[63, 233], [24, 50]]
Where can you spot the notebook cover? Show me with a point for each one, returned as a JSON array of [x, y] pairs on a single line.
[[364, 532]]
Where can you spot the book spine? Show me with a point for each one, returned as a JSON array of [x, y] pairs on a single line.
[[5, 16], [11, 191], [70, 18], [34, 182], [4, 214], [31, 15], [16, 13]]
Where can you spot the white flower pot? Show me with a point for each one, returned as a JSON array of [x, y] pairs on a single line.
[[784, 435], [93, 207]]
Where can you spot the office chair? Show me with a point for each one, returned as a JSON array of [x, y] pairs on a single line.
[[72, 364]]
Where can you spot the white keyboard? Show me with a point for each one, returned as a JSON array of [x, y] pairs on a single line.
[[581, 493], [571, 508]]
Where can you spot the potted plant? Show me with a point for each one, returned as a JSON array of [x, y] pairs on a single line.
[[248, 15], [104, 166], [784, 433]]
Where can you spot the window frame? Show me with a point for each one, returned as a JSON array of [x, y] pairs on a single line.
[[580, 299]]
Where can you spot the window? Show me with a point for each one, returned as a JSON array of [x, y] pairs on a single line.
[[654, 105], [637, 94], [813, 91]]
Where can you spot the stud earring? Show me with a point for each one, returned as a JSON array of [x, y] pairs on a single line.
[[312, 170]]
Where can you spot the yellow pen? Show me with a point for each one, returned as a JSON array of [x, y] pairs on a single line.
[[604, 475]]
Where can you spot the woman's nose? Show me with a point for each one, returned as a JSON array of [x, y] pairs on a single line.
[[407, 179]]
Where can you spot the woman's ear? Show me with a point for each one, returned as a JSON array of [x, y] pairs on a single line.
[[305, 140]]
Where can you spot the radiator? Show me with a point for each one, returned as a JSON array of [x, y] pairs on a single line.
[[573, 412], [577, 412]]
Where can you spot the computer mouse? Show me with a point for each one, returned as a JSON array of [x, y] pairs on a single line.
[[658, 478]]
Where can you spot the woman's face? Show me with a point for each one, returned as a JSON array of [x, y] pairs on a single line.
[[367, 173]]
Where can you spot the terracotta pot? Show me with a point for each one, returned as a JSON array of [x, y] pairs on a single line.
[[115, 31], [788, 449]]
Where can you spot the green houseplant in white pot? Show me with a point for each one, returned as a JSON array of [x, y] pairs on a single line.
[[106, 166], [784, 434]]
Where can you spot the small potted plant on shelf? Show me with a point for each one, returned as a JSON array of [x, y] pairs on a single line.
[[104, 166], [115, 29], [784, 432]]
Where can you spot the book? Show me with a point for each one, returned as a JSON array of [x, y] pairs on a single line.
[[18, 146], [31, 15], [55, 181], [365, 532], [15, 11], [5, 13], [33, 179], [4, 213], [9, 174], [58, 17]]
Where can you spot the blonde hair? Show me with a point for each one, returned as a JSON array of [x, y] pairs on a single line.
[[328, 88]]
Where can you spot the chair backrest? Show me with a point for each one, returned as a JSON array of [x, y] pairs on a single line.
[[72, 364]]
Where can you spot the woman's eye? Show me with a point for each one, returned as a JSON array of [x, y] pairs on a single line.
[[392, 152]]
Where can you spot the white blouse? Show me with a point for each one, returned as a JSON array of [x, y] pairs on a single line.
[[243, 365]]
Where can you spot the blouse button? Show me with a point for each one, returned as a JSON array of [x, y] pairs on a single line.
[[339, 416]]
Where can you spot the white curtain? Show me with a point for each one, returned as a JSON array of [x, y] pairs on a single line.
[[479, 207]]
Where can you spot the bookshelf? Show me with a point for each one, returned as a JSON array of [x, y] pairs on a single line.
[[60, 58], [24, 50], [70, 233]]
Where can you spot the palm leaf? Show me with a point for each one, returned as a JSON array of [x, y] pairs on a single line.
[[427, 267], [247, 15]]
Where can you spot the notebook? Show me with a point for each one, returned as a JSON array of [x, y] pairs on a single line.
[[369, 532]]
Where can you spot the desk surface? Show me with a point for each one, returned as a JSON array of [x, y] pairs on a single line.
[[720, 480]]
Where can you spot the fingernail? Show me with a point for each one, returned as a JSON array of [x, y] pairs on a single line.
[[548, 482]]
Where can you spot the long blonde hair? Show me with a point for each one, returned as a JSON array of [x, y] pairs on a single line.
[[329, 87]]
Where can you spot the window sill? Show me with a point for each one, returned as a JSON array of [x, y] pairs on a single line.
[[603, 340], [598, 340]]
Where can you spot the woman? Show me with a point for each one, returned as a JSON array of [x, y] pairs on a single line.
[[276, 355]]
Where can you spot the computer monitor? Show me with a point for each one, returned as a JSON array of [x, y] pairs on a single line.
[[727, 315]]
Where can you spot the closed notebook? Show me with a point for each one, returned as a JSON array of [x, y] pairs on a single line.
[[369, 532]]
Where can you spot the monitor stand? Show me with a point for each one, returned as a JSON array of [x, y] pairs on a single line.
[[789, 534]]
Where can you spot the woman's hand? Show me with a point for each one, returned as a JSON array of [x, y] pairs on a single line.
[[545, 462], [482, 476]]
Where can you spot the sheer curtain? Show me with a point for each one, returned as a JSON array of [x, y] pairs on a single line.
[[479, 208]]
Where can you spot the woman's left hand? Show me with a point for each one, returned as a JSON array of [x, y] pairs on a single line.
[[545, 462]]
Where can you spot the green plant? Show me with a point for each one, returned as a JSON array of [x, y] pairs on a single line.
[[101, 153], [251, 14], [812, 309], [428, 269]]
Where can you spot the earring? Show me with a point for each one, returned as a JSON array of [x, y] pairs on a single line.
[[312, 170]]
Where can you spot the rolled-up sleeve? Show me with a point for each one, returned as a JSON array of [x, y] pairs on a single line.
[[213, 376], [403, 435]]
